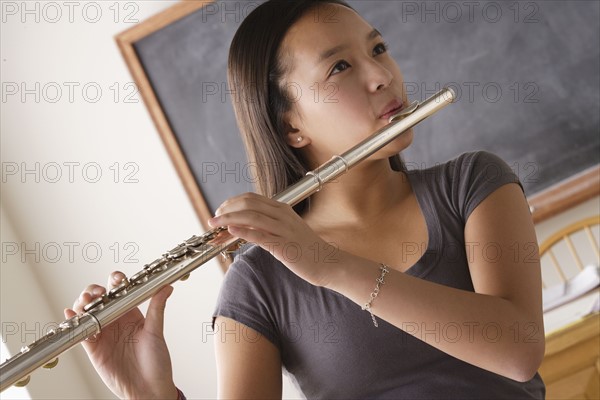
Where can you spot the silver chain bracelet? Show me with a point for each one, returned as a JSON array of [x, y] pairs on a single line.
[[379, 281]]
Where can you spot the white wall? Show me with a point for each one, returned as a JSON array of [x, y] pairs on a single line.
[[132, 212], [151, 215], [144, 217]]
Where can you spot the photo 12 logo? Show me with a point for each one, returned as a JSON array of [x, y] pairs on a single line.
[[227, 11], [69, 252], [69, 92], [53, 12], [453, 12], [69, 172], [472, 92]]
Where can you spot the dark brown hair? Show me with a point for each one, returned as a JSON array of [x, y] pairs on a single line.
[[256, 73]]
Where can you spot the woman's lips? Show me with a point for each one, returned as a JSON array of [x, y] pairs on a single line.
[[392, 108]]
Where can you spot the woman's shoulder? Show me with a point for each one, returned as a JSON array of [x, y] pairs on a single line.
[[479, 174], [464, 166], [476, 159], [257, 274], [460, 183], [481, 158], [252, 263], [245, 294], [253, 258], [485, 168]]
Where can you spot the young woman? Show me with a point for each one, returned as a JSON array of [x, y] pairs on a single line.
[[389, 282]]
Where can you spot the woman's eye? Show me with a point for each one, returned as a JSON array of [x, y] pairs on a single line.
[[380, 48], [340, 66]]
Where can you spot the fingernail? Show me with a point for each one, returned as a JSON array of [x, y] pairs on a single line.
[[214, 221], [97, 291]]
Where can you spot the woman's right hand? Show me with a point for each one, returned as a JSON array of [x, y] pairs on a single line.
[[131, 355]]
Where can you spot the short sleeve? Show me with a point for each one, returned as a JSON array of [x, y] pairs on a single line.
[[242, 298], [481, 173]]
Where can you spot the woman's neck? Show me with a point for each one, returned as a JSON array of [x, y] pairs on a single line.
[[365, 193]]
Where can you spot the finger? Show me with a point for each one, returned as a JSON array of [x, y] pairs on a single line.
[[115, 278], [227, 203], [69, 313], [249, 218], [83, 299], [155, 318], [254, 236], [222, 237], [94, 289], [89, 293], [248, 200]]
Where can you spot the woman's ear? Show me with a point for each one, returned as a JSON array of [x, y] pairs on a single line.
[[294, 137]]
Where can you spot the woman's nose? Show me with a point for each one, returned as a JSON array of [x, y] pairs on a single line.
[[378, 76]]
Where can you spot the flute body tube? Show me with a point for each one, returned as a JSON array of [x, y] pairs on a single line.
[[177, 263]]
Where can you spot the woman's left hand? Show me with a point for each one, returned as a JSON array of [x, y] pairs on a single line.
[[277, 228]]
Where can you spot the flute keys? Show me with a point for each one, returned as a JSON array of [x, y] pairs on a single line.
[[201, 248], [119, 290], [139, 277], [212, 234], [194, 241], [72, 322], [96, 303], [156, 265], [51, 364], [23, 382], [177, 252]]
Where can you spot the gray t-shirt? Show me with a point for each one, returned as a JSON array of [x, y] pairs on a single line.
[[330, 346]]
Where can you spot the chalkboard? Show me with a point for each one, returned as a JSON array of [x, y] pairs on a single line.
[[526, 74]]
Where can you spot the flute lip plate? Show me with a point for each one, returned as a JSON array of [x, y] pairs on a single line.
[[405, 111]]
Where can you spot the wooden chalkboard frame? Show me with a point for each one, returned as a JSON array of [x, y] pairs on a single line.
[[126, 41], [545, 204]]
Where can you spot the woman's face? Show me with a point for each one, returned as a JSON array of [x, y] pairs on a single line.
[[341, 81]]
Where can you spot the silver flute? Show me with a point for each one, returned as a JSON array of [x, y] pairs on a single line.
[[177, 263]]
